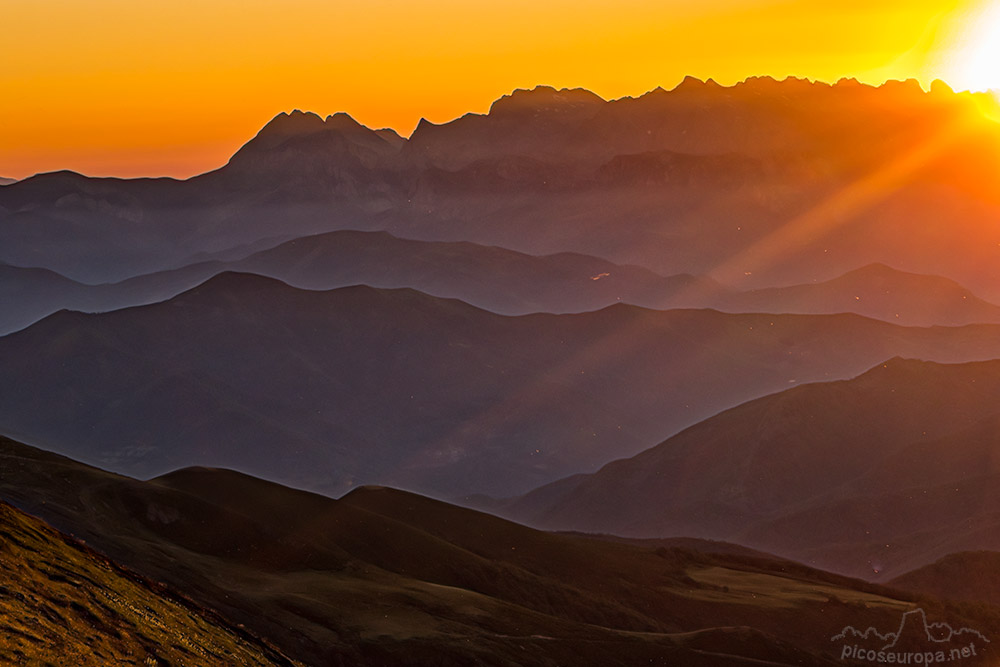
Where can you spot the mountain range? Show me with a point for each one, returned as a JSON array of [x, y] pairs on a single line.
[[496, 279], [324, 405], [327, 390], [757, 185], [502, 281]]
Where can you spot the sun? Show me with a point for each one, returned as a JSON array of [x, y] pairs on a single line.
[[976, 64]]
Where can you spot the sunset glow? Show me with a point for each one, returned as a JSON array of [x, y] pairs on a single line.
[[113, 87], [977, 63]]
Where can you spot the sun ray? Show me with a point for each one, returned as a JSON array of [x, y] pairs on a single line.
[[841, 206]]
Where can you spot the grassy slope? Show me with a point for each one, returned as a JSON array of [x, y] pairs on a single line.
[[61, 603]]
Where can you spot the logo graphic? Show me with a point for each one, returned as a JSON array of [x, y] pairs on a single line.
[[915, 642]]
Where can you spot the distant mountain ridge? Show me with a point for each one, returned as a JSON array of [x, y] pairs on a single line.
[[499, 280], [502, 281], [872, 476], [689, 181], [875, 291], [327, 390]]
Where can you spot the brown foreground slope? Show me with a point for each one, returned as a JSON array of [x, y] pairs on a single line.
[[62, 603], [385, 577]]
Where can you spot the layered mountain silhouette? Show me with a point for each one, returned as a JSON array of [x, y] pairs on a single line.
[[32, 294], [872, 476], [491, 278], [791, 286], [501, 281], [761, 184], [391, 578], [876, 291], [7, 181], [327, 390]]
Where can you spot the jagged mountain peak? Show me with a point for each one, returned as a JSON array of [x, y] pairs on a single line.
[[299, 124], [908, 86], [693, 83], [424, 125], [850, 82], [547, 98], [342, 121], [939, 87], [294, 122]]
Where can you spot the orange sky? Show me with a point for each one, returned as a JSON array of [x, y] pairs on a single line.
[[118, 87]]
